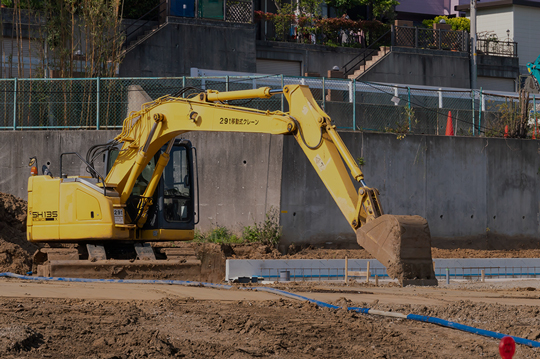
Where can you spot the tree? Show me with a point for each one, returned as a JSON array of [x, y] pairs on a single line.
[[457, 23], [378, 8], [70, 32]]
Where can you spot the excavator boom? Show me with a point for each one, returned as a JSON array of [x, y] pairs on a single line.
[[401, 243]]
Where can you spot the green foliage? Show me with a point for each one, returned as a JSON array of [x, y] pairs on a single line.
[[73, 32], [328, 30], [457, 23], [514, 115], [24, 4], [135, 9], [283, 21], [310, 8], [267, 232], [379, 8], [218, 235], [361, 161]]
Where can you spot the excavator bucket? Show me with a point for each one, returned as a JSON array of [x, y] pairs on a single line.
[[403, 245]]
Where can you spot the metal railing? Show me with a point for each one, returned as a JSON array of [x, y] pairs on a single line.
[[103, 103], [152, 15], [435, 39], [496, 48], [359, 62]]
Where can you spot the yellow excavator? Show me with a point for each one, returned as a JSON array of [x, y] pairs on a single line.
[[148, 193]]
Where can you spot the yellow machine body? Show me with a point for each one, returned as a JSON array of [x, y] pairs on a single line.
[[68, 211], [72, 210]]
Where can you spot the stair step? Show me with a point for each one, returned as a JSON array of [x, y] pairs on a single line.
[[375, 57]]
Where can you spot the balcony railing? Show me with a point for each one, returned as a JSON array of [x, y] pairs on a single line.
[[240, 11], [437, 39], [496, 48]]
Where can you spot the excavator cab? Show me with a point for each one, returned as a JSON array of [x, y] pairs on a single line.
[[173, 202]]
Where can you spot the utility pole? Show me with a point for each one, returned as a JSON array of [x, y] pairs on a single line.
[[473, 44]]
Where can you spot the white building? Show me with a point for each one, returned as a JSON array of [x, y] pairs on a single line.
[[514, 20]]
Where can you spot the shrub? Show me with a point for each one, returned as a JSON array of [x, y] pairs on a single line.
[[267, 232]]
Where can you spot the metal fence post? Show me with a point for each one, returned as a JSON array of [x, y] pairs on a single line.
[[409, 106], [323, 95], [184, 85], [227, 83], [97, 103], [473, 122], [354, 105], [282, 104], [15, 105], [440, 106], [416, 36], [535, 117], [225, 10], [480, 109]]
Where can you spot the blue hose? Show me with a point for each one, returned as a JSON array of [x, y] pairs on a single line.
[[466, 328], [420, 318]]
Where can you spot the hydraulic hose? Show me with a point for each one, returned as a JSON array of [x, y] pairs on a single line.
[[416, 317]]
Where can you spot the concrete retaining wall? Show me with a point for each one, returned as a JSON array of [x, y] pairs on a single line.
[[317, 59], [470, 188], [185, 43], [422, 67], [475, 189]]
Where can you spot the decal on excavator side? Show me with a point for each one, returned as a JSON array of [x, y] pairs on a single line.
[[45, 216], [237, 121]]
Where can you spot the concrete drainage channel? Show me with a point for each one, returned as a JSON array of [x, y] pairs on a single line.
[[420, 318], [334, 269]]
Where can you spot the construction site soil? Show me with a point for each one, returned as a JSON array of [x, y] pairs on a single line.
[[38, 327], [36, 322]]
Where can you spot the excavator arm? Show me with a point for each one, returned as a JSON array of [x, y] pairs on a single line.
[[401, 243]]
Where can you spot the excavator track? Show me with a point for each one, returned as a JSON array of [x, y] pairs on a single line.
[[93, 261], [403, 245]]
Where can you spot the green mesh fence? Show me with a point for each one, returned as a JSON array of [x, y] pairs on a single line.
[[103, 103]]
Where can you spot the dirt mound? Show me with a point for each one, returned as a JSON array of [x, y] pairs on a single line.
[[15, 251]]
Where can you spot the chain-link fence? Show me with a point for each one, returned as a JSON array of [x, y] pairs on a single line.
[[103, 103]]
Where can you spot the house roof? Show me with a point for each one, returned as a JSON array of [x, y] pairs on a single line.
[[498, 3]]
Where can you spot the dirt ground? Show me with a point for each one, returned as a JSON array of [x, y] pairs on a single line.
[[52, 320], [15, 250], [175, 325]]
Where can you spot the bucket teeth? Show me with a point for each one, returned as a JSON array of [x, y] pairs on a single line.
[[403, 245]]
